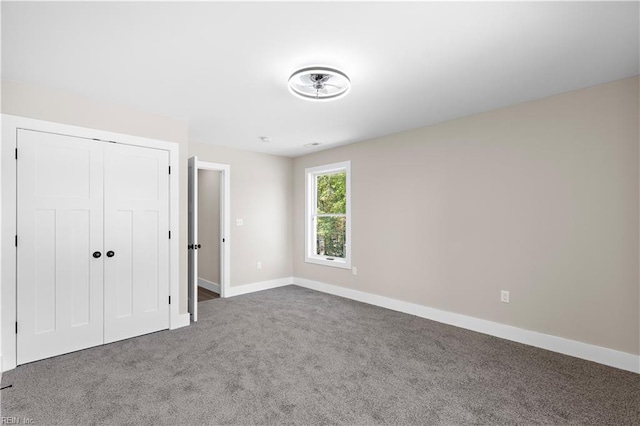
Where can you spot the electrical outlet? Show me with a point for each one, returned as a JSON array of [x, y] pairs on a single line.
[[354, 271], [259, 265], [504, 296], [239, 222]]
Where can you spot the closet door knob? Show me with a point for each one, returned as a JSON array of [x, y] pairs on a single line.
[[97, 254], [110, 253]]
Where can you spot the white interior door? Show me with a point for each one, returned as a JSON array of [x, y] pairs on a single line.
[[193, 238], [59, 225], [136, 242]]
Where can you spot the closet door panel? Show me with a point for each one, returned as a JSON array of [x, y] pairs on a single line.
[[60, 226], [136, 230], [122, 264]]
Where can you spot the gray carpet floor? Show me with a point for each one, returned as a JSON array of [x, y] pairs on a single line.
[[295, 356]]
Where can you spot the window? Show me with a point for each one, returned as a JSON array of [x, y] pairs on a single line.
[[328, 215]]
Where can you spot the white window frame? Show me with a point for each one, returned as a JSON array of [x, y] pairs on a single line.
[[310, 211]]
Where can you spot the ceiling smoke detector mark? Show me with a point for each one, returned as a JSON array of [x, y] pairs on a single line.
[[265, 139], [319, 83], [312, 144]]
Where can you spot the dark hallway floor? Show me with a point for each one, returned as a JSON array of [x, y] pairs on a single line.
[[204, 294]]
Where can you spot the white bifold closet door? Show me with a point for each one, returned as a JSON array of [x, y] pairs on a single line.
[[136, 232], [79, 200], [59, 222]]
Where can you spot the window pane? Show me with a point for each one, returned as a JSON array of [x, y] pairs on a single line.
[[331, 193], [331, 235]]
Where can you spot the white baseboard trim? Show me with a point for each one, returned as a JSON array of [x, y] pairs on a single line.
[[209, 285], [613, 358], [183, 320], [259, 286]]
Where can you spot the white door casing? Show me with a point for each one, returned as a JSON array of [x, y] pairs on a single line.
[[136, 242], [59, 221]]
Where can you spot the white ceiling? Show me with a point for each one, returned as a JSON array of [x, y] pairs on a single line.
[[224, 66]]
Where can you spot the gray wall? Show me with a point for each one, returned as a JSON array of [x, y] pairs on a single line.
[[540, 199]]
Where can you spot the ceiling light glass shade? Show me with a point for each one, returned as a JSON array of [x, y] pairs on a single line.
[[319, 83]]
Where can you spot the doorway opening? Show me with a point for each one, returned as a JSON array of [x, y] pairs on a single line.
[[209, 226], [209, 245]]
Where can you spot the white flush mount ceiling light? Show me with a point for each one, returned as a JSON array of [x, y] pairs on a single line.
[[319, 83]]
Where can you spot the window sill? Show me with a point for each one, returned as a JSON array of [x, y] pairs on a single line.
[[337, 263]]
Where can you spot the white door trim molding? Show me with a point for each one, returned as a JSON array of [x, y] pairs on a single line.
[[606, 356], [10, 126]]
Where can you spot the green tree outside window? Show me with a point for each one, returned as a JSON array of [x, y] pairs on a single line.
[[331, 221]]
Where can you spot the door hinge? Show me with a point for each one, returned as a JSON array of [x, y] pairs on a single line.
[[16, 327], [16, 153], [16, 241], [169, 234], [169, 299], [169, 169]]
